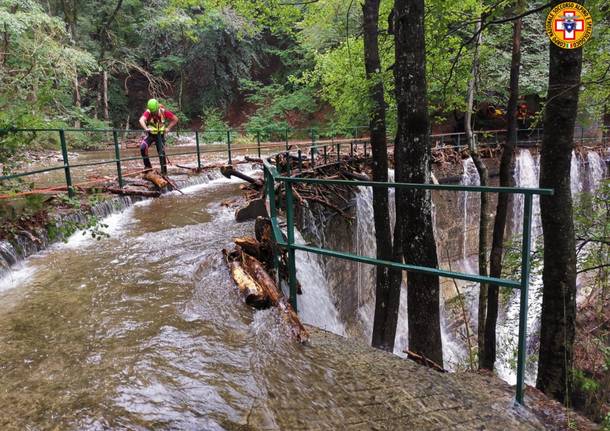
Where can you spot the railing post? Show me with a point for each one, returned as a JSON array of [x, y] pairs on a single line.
[[161, 152], [292, 272], [365, 150], [525, 275], [325, 155], [229, 146], [64, 155], [313, 136], [299, 161], [286, 137], [117, 156], [270, 184], [288, 169], [258, 143], [338, 152], [198, 149], [351, 149], [458, 142], [313, 158]]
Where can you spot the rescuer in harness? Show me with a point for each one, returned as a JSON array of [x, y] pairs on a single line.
[[153, 122]]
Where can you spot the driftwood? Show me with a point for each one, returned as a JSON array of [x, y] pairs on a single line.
[[249, 245], [131, 192], [355, 175], [156, 179], [250, 289], [229, 171], [257, 272], [422, 360], [259, 288], [253, 159], [172, 183]]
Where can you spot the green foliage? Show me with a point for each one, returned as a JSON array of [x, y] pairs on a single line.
[[595, 96], [214, 127], [592, 227]]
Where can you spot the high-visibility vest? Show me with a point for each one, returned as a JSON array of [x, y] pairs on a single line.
[[156, 122]]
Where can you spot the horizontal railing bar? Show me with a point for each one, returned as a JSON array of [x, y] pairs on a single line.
[[25, 174], [411, 268], [447, 187]]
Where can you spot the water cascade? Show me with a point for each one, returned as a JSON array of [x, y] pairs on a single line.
[[315, 304], [596, 171]]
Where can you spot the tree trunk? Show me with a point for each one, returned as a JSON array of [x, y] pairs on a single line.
[[559, 272], [105, 95], [488, 358], [6, 40], [77, 101], [5, 45], [412, 159], [484, 181], [386, 310]]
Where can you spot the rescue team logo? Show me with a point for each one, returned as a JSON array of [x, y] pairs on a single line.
[[569, 25]]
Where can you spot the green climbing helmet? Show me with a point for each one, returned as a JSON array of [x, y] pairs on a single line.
[[153, 105]]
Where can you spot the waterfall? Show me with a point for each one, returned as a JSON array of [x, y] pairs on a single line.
[[527, 169], [315, 304], [576, 183], [596, 171], [470, 177], [526, 175]]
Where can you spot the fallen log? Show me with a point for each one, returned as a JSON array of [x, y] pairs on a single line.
[[156, 179], [172, 183], [253, 209], [257, 272], [422, 360], [253, 159], [228, 171], [294, 323], [249, 245], [131, 192], [248, 273], [252, 291], [355, 175]]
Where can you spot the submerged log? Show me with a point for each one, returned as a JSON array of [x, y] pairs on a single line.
[[155, 178], [252, 291]]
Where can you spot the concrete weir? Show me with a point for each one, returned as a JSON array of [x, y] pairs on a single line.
[[381, 391]]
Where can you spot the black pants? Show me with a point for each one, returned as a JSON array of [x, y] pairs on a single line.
[[147, 142]]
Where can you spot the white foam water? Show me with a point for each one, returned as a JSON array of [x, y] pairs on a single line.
[[315, 303]]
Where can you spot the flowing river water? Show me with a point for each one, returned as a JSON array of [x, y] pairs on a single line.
[[145, 329]]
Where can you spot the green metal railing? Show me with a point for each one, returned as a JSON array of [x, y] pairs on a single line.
[[272, 177], [316, 139], [224, 137]]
